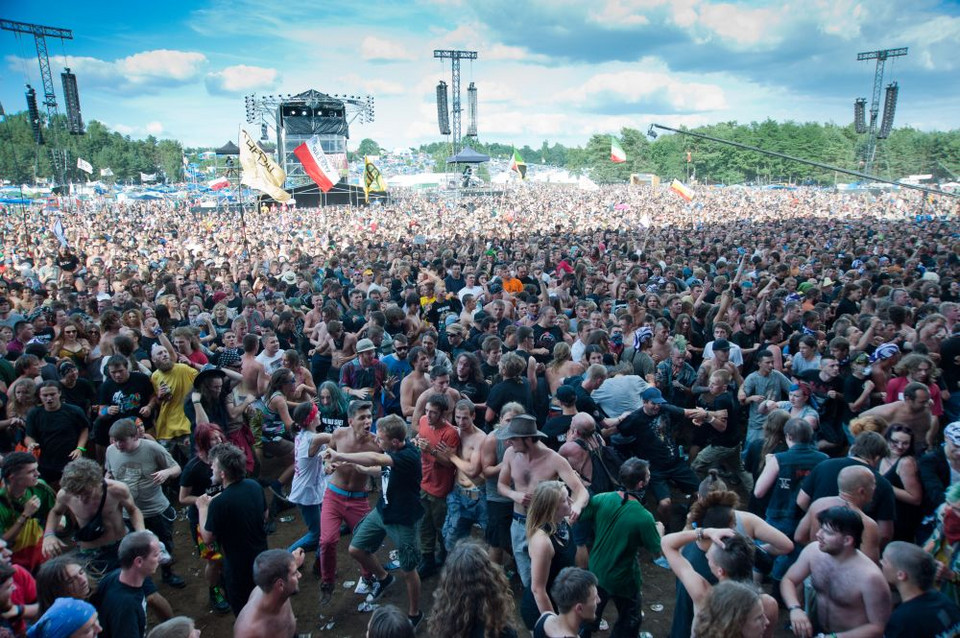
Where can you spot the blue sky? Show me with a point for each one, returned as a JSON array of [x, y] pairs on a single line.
[[558, 70]]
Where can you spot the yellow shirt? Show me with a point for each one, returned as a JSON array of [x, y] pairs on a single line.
[[172, 421]]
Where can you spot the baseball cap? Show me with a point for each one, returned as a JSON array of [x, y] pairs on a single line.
[[566, 395], [653, 395], [721, 344]]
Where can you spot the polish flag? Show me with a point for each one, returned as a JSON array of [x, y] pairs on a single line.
[[681, 189], [315, 163], [217, 184]]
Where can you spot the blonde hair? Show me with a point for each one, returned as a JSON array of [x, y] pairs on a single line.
[[542, 512]]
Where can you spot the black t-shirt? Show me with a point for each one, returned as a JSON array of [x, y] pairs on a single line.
[[929, 614], [546, 338], [197, 476], [57, 433], [235, 517], [491, 374], [476, 392], [709, 435], [330, 422], [129, 396], [454, 285], [831, 411], [556, 431], [822, 481], [123, 609], [508, 390], [683, 607], [653, 436], [400, 503], [81, 395]]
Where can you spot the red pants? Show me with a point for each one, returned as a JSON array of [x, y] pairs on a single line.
[[336, 510]]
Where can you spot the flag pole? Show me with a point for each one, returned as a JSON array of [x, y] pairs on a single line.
[[243, 222]]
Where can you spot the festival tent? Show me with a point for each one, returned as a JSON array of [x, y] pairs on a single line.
[[228, 149], [468, 156]]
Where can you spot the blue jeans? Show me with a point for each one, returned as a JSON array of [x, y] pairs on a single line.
[[462, 512], [311, 518]]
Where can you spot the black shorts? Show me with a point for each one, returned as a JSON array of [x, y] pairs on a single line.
[[499, 518], [680, 475]]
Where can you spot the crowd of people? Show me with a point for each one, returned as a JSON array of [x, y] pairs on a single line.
[[523, 395]]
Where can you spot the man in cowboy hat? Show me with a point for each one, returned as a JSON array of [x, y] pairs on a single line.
[[527, 463]]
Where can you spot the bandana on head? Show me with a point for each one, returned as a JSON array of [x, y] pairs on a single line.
[[952, 433], [64, 617], [641, 336], [884, 351]]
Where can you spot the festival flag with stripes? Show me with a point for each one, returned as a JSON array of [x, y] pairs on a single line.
[[316, 164], [617, 156], [680, 189], [518, 165], [217, 184]]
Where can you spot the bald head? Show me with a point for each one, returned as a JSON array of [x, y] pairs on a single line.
[[583, 425], [857, 480]]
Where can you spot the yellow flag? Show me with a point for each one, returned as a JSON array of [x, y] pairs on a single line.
[[259, 171], [372, 179]]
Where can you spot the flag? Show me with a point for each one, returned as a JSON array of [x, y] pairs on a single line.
[[148, 177], [84, 166], [59, 233], [617, 156], [219, 183], [259, 171], [315, 162], [518, 165], [372, 179], [678, 187], [106, 172]]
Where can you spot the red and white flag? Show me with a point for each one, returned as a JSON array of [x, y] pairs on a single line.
[[217, 184], [315, 163]]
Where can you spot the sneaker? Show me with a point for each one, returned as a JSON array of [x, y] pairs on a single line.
[[416, 620], [662, 562], [326, 593], [218, 602], [169, 578], [364, 586], [379, 586]]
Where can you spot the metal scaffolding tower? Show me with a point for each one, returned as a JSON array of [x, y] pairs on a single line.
[[870, 146], [455, 57], [40, 34]]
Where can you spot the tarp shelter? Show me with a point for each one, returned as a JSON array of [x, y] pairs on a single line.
[[468, 156], [228, 149]]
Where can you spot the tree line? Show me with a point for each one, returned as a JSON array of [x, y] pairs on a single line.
[[906, 152]]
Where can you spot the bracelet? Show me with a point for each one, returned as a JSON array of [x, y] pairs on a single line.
[[699, 534], [791, 608], [82, 449], [45, 534]]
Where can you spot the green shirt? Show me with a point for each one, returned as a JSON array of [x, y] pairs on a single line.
[[620, 530]]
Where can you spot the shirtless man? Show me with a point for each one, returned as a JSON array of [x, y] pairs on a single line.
[[96, 504], [467, 503], [852, 593], [526, 464], [914, 411], [499, 507], [416, 382], [856, 484], [439, 384], [255, 378], [340, 345], [268, 611], [346, 496]]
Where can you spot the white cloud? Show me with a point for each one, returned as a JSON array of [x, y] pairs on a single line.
[[122, 129], [154, 128], [147, 71], [242, 79], [742, 26], [376, 49], [620, 14], [646, 92], [182, 66]]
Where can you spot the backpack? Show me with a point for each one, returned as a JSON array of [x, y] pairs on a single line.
[[606, 463]]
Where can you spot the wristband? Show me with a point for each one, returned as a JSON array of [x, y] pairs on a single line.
[[82, 449], [45, 534], [791, 608], [104, 411], [699, 534]]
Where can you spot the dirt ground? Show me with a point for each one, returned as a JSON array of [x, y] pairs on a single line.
[[341, 619]]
